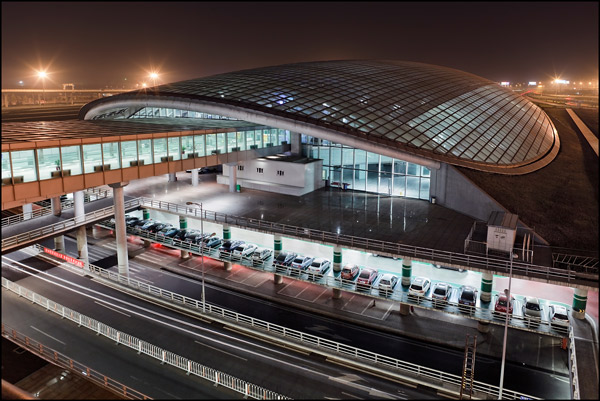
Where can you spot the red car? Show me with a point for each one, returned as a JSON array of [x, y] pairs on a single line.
[[349, 272], [366, 277], [501, 304]]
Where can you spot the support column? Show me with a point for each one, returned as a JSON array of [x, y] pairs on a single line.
[[146, 215], [483, 327], [277, 278], [277, 244], [194, 177], [79, 214], [404, 309], [337, 293], [487, 280], [228, 266], [59, 244], [579, 303], [183, 226], [27, 209], [120, 232], [56, 205], [406, 271], [337, 258], [226, 232], [296, 145], [232, 176], [172, 177]]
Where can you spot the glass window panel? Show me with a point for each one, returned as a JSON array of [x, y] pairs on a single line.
[[266, 137], [412, 187], [199, 145], [348, 157], [258, 139], [360, 159], [71, 159], [385, 183], [399, 185], [424, 189], [399, 166], [425, 172], [274, 136], [249, 139], [241, 140], [336, 156], [174, 148], [92, 157], [160, 150], [386, 164], [211, 144], [360, 180], [221, 142], [6, 173], [231, 141], [413, 169], [372, 161], [23, 163], [128, 153], [372, 178], [145, 151], [187, 146], [48, 161], [282, 136], [347, 177], [315, 154], [325, 173], [110, 152], [336, 174]]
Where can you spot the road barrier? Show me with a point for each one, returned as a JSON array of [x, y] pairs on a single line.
[[574, 380], [215, 376]]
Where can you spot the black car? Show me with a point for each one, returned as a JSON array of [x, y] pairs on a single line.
[[172, 232], [156, 227], [181, 235], [165, 229], [284, 259], [137, 223], [192, 236], [131, 221], [228, 246]]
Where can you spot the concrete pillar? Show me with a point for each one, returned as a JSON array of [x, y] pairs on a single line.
[[172, 177], [226, 232], [483, 327], [579, 303], [296, 145], [487, 280], [59, 243], [183, 225], [277, 278], [406, 271], [146, 243], [404, 309], [194, 177], [120, 232], [277, 244], [27, 210], [232, 176], [79, 214], [56, 205], [228, 266], [337, 258], [337, 293], [145, 214]]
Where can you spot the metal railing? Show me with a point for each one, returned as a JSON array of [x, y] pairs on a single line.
[[472, 312], [63, 225], [92, 194], [392, 248], [60, 359], [574, 380], [190, 367], [217, 312]]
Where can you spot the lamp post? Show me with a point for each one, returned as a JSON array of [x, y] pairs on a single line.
[[43, 75], [202, 251], [507, 292], [154, 77]]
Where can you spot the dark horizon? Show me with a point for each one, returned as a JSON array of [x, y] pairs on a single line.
[[101, 44]]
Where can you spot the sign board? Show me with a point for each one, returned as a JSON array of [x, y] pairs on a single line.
[[76, 262]]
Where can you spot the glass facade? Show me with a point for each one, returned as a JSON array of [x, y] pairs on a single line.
[[48, 162], [367, 171], [71, 159], [164, 112], [23, 166]]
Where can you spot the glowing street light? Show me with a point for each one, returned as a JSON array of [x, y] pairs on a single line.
[[42, 75], [154, 77]]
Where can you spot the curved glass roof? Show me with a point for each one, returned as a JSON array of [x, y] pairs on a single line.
[[434, 111]]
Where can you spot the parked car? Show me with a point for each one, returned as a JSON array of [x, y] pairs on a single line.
[[172, 232], [467, 298], [349, 271], [243, 251], [284, 259], [156, 227], [318, 268], [532, 309], [228, 246], [192, 235], [419, 286], [302, 262], [441, 293], [260, 255], [366, 278], [210, 241], [164, 230], [558, 315], [131, 221], [147, 224], [387, 283], [500, 305], [181, 235], [136, 223]]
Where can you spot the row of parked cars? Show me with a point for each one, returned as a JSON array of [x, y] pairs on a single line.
[[168, 231], [314, 267]]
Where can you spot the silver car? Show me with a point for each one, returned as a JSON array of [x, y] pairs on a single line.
[[559, 316], [260, 255], [387, 283], [244, 251], [532, 309]]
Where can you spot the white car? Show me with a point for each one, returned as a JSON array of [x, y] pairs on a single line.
[[532, 309], [441, 294], [419, 286], [387, 283], [302, 262], [244, 251], [559, 316], [261, 254], [318, 267]]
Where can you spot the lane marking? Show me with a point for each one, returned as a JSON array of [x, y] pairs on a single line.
[[113, 309], [217, 349], [46, 334]]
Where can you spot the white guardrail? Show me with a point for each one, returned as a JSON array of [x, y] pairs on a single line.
[[424, 374], [190, 367], [92, 194], [573, 367], [521, 322], [392, 248], [60, 359]]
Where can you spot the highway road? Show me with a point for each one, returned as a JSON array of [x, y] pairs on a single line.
[[547, 383]]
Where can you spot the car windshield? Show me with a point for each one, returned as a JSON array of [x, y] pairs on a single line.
[[298, 260], [561, 316], [417, 287], [440, 291], [281, 256], [502, 302], [316, 264], [532, 306], [385, 282], [468, 295], [365, 274]]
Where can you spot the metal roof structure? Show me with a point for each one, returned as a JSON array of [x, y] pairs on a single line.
[[433, 112]]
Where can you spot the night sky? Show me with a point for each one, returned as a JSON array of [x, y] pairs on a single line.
[[99, 44]]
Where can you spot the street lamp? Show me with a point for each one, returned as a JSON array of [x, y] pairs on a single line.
[[154, 77], [507, 292], [202, 251], [43, 75]]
